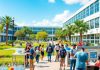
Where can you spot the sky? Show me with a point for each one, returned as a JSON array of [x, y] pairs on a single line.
[[40, 12]]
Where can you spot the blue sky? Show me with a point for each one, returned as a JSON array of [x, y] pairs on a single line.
[[40, 12]]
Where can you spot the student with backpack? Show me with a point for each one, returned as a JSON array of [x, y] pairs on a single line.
[[82, 59], [49, 50], [72, 58], [31, 56], [62, 57]]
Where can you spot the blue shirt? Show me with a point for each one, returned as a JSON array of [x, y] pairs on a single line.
[[67, 49], [31, 52], [81, 58]]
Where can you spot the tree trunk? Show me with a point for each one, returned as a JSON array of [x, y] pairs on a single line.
[[81, 42], [6, 34], [70, 38]]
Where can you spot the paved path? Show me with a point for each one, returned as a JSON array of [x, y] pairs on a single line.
[[45, 65]]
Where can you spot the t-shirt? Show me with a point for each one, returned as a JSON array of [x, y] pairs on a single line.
[[49, 49], [72, 53], [37, 52], [81, 58], [97, 63], [57, 47], [31, 52], [62, 53]]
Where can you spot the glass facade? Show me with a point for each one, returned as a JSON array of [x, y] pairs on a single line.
[[93, 8], [49, 30], [94, 23]]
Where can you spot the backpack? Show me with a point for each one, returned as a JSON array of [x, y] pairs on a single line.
[[49, 49], [63, 53], [83, 57]]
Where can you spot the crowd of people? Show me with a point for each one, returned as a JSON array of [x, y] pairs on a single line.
[[78, 59]]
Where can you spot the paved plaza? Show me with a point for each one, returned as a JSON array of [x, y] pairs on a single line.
[[45, 65]]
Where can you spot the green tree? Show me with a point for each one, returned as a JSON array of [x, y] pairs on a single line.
[[69, 30], [19, 34], [7, 21], [27, 31], [32, 36], [81, 27], [41, 35], [59, 33], [1, 28]]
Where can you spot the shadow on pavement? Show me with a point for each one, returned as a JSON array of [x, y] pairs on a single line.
[[43, 66]]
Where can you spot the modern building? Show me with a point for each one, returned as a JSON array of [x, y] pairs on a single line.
[[89, 13], [49, 30]]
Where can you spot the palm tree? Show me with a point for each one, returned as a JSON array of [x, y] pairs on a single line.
[[81, 27], [27, 31], [69, 30], [59, 33], [7, 21], [1, 27]]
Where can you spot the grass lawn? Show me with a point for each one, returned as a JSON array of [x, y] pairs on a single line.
[[6, 55]]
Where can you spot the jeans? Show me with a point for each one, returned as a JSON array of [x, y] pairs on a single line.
[[72, 64], [80, 69], [49, 56], [37, 58]]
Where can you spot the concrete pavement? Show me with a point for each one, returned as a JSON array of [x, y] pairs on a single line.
[[45, 65]]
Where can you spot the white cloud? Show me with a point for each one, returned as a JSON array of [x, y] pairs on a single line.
[[61, 18], [76, 1], [57, 21], [51, 1]]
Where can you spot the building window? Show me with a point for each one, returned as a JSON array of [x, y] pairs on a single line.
[[88, 36], [92, 36], [87, 11], [97, 36], [92, 41], [92, 9], [97, 22], [97, 41], [96, 6], [92, 24]]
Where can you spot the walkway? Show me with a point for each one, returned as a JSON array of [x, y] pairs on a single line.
[[45, 65]]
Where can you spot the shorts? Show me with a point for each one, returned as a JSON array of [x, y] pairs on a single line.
[[31, 57], [42, 53], [62, 56], [57, 51]]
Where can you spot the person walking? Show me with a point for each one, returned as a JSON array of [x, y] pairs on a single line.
[[27, 49], [62, 57], [49, 50], [72, 58], [81, 59], [42, 52], [97, 63], [68, 49], [57, 48], [32, 55], [37, 54]]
